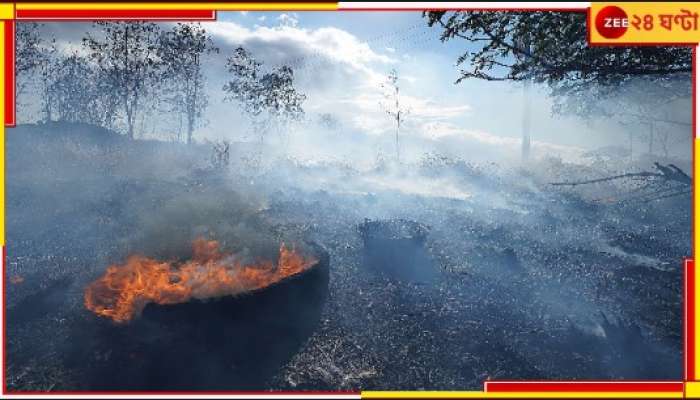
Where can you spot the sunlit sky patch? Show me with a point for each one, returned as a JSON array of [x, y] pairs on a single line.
[[340, 60]]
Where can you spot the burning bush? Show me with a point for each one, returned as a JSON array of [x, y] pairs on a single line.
[[124, 290]]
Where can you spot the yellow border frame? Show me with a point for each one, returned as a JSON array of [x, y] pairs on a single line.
[[261, 6], [523, 395], [2, 140]]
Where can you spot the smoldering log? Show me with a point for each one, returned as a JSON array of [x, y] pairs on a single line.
[[232, 342]]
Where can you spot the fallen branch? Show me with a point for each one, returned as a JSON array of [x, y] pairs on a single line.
[[668, 173], [645, 197], [610, 178], [678, 193]]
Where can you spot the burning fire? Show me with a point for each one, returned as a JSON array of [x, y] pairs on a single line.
[[124, 290]]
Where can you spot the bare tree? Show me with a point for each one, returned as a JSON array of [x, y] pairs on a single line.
[[181, 52], [220, 154], [392, 105], [126, 54]]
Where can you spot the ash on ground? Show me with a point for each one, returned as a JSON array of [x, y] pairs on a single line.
[[528, 280]]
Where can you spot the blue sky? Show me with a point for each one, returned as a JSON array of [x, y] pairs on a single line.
[[340, 60], [428, 71]]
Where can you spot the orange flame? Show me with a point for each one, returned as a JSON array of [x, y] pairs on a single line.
[[124, 290]]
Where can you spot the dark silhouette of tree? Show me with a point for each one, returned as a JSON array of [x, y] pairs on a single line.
[[181, 52], [79, 93], [73, 87], [126, 54], [35, 64], [552, 48], [558, 55], [28, 56], [27, 47], [44, 73], [245, 87]]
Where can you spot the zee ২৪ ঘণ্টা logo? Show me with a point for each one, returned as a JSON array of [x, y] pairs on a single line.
[[611, 22]]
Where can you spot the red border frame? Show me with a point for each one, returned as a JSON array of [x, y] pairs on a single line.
[[583, 386], [91, 15], [689, 320], [489, 386], [10, 84]]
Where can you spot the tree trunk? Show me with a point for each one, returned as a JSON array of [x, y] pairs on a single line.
[[192, 106], [398, 125], [130, 123], [663, 140], [526, 121], [47, 98], [398, 154], [128, 108], [525, 145], [190, 127], [47, 109], [179, 127]]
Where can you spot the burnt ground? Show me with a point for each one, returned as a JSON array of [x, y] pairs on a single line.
[[523, 280]]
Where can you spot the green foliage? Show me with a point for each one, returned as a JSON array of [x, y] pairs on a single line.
[[80, 94], [558, 52], [180, 51], [261, 92], [126, 54], [28, 49]]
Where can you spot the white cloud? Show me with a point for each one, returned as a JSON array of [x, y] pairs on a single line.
[[370, 124], [288, 20], [329, 64], [326, 49], [340, 74]]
